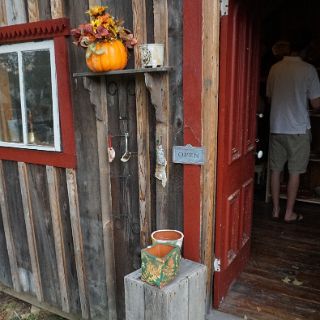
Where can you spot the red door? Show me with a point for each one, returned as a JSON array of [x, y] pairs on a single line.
[[239, 65]]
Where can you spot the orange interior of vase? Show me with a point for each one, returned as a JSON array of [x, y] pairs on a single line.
[[159, 250], [167, 235]]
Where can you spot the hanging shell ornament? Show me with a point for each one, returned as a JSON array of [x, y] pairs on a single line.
[[111, 154], [111, 151], [161, 164]]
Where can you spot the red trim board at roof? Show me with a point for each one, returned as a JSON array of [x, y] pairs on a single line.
[[34, 31]]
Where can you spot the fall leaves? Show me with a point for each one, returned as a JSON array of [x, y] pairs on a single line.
[[102, 27]]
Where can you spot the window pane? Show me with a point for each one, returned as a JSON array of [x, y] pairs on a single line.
[[10, 108], [38, 95]]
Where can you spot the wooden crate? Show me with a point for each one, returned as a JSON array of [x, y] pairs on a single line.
[[183, 298]]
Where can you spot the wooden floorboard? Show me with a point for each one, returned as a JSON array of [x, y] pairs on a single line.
[[278, 251]]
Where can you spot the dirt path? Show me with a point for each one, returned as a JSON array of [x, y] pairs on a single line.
[[14, 309]]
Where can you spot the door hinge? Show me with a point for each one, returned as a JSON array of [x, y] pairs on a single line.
[[224, 6], [217, 265]]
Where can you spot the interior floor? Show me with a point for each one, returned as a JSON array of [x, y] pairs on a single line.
[[282, 278]]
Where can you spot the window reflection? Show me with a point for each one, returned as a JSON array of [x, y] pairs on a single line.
[[38, 96], [10, 108]]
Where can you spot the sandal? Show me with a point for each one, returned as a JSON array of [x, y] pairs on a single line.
[[275, 218], [297, 219]]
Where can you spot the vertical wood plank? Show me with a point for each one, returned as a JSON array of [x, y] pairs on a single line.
[[57, 9], [175, 42], [160, 12], [44, 9], [94, 3], [5, 270], [134, 296], [44, 236], [197, 294], [8, 232], [77, 240], [161, 87], [210, 87], [18, 225], [3, 14], [16, 12], [28, 216], [70, 263], [142, 114], [155, 304], [53, 184], [192, 75], [59, 239], [124, 181], [139, 27], [97, 91], [98, 97], [88, 177], [42, 214], [178, 301], [33, 10], [106, 200]]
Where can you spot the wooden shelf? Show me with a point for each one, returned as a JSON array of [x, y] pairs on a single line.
[[124, 71], [314, 159]]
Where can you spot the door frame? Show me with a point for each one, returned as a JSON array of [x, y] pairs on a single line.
[[201, 29], [201, 43]]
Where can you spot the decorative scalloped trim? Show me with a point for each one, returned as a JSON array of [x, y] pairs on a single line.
[[34, 30]]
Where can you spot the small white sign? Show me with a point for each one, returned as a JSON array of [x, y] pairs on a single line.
[[188, 154]]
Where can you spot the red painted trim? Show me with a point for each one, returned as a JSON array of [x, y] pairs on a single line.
[[57, 159], [225, 70], [192, 87], [66, 158], [34, 31], [64, 96]]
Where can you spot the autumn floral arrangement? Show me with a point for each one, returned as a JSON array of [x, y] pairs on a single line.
[[105, 39]]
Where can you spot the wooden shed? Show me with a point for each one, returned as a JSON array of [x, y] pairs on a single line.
[[72, 223]]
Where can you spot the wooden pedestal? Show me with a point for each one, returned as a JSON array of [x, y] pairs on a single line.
[[184, 298]]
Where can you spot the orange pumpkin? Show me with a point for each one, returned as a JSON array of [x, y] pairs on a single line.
[[107, 56]]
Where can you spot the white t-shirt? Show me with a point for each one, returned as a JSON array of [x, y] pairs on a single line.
[[291, 82]]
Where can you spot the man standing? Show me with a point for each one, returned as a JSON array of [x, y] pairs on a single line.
[[291, 84]]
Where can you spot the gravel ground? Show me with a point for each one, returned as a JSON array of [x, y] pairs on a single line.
[[14, 309]]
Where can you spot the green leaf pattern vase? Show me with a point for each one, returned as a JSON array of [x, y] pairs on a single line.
[[160, 264]]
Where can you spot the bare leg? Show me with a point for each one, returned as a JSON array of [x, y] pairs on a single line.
[[292, 190], [275, 192]]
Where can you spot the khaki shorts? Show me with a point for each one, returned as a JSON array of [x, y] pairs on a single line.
[[294, 148]]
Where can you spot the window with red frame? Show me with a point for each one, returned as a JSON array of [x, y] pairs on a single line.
[[35, 106]]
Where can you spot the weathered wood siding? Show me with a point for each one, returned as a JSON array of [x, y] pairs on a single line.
[[68, 237], [124, 178], [175, 39], [5, 273]]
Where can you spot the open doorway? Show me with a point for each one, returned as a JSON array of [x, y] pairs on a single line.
[[282, 277]]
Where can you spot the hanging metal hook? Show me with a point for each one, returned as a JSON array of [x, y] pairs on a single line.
[[127, 155]]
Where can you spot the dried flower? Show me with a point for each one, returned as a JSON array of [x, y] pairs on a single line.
[[102, 27], [96, 11]]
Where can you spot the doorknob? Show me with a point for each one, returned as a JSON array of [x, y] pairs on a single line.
[[259, 154], [260, 115]]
